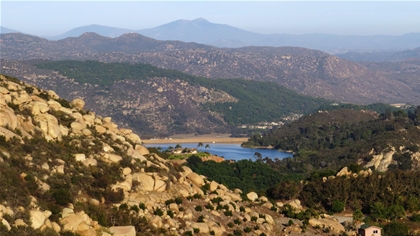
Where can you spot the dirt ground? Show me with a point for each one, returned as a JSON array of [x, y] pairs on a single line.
[[211, 138]]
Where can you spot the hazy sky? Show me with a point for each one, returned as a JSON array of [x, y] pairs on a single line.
[[48, 18]]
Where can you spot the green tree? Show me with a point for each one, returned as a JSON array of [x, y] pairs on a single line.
[[200, 145], [396, 229], [337, 206], [207, 146]]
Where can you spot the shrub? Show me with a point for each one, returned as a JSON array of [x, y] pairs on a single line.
[[247, 230], [142, 206], [415, 217], [198, 208], [337, 206], [230, 225], [228, 213], [242, 209], [196, 230], [209, 206], [178, 200], [170, 213], [158, 212], [200, 218]]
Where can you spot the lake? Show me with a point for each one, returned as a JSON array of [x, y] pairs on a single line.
[[229, 151]]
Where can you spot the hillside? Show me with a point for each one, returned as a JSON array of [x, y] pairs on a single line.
[[66, 171], [384, 56], [165, 102], [308, 72], [330, 140]]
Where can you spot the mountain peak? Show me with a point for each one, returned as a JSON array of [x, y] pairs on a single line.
[[200, 19], [90, 35]]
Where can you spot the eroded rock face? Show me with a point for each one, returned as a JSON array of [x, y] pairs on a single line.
[[7, 117], [49, 126], [252, 196], [381, 161], [196, 179]]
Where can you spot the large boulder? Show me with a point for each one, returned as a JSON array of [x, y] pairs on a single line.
[[203, 227], [147, 182], [49, 126], [78, 103], [39, 108], [7, 117], [252, 196], [123, 230], [142, 150], [38, 218], [196, 179], [328, 223]]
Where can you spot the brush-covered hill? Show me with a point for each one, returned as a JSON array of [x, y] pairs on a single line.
[[157, 101], [67, 171], [309, 72], [330, 140]]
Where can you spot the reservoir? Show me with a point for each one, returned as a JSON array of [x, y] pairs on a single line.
[[229, 151]]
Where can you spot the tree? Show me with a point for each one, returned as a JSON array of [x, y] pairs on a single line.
[[200, 144], [337, 206], [358, 215], [178, 146], [258, 156], [396, 229], [207, 146]]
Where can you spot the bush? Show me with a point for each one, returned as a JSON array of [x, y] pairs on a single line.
[[396, 229], [415, 218], [178, 200], [337, 206], [198, 208], [158, 212]]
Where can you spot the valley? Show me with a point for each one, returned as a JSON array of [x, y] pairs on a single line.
[[84, 117]]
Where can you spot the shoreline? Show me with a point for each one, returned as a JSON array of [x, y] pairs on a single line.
[[195, 140]]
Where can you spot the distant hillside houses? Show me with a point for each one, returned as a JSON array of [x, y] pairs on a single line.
[[184, 151]]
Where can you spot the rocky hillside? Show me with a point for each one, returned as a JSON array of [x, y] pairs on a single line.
[[66, 171], [158, 102], [309, 72]]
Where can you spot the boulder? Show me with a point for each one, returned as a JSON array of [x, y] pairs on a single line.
[[142, 150], [6, 224], [7, 117], [213, 186], [78, 103], [49, 126], [147, 182], [123, 231], [38, 218], [112, 157], [203, 227], [344, 172], [196, 179], [39, 108], [80, 157], [295, 204], [252, 196], [328, 223], [100, 129]]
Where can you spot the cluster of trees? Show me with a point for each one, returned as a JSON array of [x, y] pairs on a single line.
[[246, 175]]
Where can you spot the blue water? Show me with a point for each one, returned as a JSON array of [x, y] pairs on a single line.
[[230, 151]]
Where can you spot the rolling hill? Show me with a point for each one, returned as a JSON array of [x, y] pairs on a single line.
[[309, 72]]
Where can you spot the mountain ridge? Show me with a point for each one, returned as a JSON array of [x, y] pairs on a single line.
[[310, 72], [222, 35]]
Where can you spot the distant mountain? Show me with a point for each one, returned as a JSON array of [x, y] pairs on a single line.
[[105, 31], [222, 35], [4, 30], [202, 31], [309, 72], [382, 56]]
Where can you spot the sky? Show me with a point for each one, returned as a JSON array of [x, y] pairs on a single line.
[[51, 18]]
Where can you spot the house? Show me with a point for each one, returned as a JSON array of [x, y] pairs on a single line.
[[370, 230], [184, 150]]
